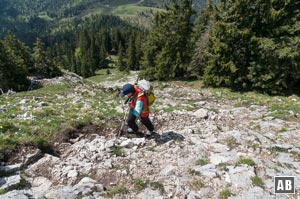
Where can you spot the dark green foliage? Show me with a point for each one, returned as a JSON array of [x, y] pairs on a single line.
[[247, 44], [120, 62], [167, 51], [87, 48], [203, 25], [132, 61], [15, 60], [16, 63], [43, 66], [197, 4], [255, 45], [278, 48]]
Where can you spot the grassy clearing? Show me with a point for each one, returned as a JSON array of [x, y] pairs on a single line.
[[121, 9], [111, 74], [37, 117], [281, 107], [130, 10]]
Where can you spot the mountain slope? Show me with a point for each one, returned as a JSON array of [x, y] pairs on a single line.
[[207, 146], [33, 16]]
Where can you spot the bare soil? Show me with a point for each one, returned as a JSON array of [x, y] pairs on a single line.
[[110, 128]]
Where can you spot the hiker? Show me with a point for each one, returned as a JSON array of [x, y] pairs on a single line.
[[138, 108]]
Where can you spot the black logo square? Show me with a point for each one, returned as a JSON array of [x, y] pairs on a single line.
[[284, 184]]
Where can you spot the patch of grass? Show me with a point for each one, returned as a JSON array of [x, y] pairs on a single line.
[[213, 109], [173, 108], [113, 75], [159, 186], [296, 155], [276, 169], [242, 103], [152, 148], [225, 193], [45, 16], [256, 127], [254, 146], [277, 149], [140, 184], [2, 191], [257, 181], [118, 151], [201, 162], [198, 184], [47, 90], [231, 142], [193, 172], [282, 130], [194, 83], [117, 190], [129, 10], [170, 108], [247, 161], [80, 196], [223, 166]]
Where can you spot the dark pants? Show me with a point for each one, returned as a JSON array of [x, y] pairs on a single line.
[[145, 120]]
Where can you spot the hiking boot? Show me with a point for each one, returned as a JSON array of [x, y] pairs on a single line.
[[149, 133], [130, 131]]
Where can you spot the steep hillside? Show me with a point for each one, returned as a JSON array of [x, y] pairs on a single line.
[[34, 17], [209, 143]]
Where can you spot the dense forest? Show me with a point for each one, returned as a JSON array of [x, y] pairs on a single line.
[[244, 45]]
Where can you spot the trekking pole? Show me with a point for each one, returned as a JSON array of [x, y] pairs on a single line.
[[123, 121], [125, 112], [122, 125]]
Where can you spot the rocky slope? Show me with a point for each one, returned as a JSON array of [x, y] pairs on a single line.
[[204, 148]]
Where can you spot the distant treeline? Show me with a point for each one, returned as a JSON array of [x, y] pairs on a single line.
[[84, 48], [244, 45]]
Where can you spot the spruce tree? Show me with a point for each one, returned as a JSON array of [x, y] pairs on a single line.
[[43, 66], [255, 45], [167, 51], [102, 53], [84, 54], [202, 31], [131, 55], [277, 65], [16, 60], [120, 62], [3, 69]]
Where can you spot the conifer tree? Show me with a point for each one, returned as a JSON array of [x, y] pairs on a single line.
[[131, 54], [3, 69], [276, 67], [255, 45], [84, 54], [102, 53], [43, 66], [202, 30], [120, 62], [138, 48], [15, 61], [167, 51]]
